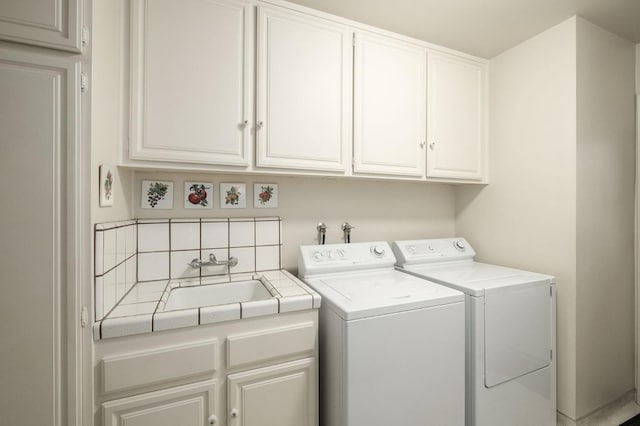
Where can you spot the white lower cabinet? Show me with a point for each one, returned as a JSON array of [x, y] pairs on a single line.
[[250, 372], [190, 405], [281, 394]]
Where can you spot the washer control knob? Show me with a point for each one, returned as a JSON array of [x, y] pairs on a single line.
[[377, 251], [317, 256], [459, 245]]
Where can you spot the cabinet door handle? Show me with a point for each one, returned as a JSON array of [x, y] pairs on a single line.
[[213, 419], [233, 413], [432, 145], [244, 123], [422, 144], [260, 124]]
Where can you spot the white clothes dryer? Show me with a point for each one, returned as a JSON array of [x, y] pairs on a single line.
[[391, 345], [510, 351]]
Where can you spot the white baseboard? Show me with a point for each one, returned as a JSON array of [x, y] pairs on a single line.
[[613, 414]]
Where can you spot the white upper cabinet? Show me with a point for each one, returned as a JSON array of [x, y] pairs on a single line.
[[304, 71], [49, 23], [389, 106], [190, 74], [456, 120]]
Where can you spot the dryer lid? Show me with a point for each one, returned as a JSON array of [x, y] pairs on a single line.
[[475, 278]]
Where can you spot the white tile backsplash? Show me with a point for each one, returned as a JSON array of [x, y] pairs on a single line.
[[153, 266], [99, 298], [121, 244], [109, 247], [221, 254], [109, 291], [121, 282], [185, 236], [153, 237], [131, 272], [157, 250], [241, 234], [215, 234], [246, 259], [267, 258], [180, 267], [99, 253], [131, 245], [267, 233]]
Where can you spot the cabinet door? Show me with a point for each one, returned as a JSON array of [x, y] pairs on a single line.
[[389, 106], [189, 81], [190, 405], [455, 117], [40, 151], [283, 395], [304, 67], [49, 23]]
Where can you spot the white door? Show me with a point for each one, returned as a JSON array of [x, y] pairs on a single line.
[[189, 405], [49, 23], [41, 166], [389, 106], [456, 117], [190, 73], [283, 395], [304, 71]]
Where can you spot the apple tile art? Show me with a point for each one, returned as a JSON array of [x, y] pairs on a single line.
[[198, 195]]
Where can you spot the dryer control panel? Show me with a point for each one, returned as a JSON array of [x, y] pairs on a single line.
[[414, 252], [330, 258]]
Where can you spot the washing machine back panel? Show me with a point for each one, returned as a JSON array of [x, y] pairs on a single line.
[[518, 334]]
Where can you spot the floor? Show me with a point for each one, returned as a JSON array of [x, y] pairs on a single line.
[[614, 414]]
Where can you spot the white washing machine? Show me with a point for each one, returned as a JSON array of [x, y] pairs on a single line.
[[391, 345], [511, 369]]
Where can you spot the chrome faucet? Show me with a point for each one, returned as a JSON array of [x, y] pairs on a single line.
[[198, 263]]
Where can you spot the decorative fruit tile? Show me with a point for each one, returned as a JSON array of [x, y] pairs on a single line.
[[156, 194], [265, 195], [106, 185], [233, 195], [198, 195]]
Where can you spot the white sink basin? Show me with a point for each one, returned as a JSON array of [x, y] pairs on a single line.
[[216, 294]]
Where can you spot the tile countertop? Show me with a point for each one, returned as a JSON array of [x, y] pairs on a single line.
[[141, 309]]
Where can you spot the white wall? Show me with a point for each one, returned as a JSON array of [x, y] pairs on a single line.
[[525, 217], [379, 210], [561, 197], [107, 112], [605, 217]]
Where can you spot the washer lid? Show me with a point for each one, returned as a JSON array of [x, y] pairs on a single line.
[[372, 293], [475, 278]]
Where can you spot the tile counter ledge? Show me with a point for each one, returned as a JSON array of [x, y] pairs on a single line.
[[141, 310]]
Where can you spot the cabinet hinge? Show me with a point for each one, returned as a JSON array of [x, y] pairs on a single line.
[[84, 81], [84, 317], [85, 36]]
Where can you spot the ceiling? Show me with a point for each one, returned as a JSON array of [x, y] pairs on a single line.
[[483, 28]]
